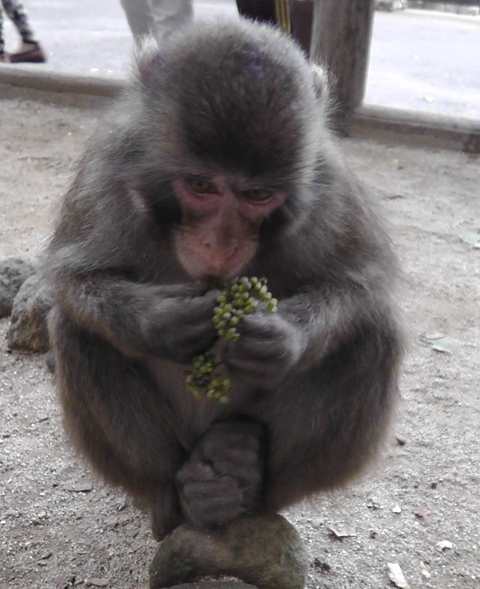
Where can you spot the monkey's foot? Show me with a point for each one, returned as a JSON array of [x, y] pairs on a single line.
[[222, 480], [265, 551]]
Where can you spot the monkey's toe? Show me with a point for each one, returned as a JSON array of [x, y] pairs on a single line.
[[208, 498]]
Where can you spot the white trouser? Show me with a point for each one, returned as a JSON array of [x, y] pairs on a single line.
[[159, 17]]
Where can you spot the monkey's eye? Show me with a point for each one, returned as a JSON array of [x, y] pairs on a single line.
[[258, 195], [201, 185]]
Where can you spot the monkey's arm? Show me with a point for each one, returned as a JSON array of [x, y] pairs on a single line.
[[337, 276], [139, 319], [307, 328], [336, 315]]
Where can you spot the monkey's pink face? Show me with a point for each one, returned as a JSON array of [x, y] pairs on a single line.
[[220, 227]]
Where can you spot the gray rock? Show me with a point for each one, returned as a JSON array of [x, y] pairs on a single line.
[[28, 327], [13, 273], [217, 584], [265, 551]]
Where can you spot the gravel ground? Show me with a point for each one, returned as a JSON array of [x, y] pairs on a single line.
[[419, 508]]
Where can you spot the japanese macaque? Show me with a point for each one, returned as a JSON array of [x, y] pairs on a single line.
[[217, 162]]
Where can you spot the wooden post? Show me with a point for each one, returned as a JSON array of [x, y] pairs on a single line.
[[293, 16], [341, 41]]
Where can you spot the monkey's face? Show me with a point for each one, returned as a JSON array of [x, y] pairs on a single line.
[[221, 220], [228, 122]]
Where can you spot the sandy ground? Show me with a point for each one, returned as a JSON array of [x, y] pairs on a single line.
[[419, 508]]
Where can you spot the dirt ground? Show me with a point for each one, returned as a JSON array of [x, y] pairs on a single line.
[[420, 508]]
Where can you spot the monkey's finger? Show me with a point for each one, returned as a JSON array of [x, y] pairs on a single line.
[[212, 503], [186, 345], [252, 367], [181, 314], [216, 490], [258, 349], [234, 447], [263, 326], [191, 289]]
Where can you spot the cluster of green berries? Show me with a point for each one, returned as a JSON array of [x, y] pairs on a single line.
[[202, 382], [241, 298]]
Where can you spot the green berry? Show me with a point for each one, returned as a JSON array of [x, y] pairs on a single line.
[[231, 334], [242, 297]]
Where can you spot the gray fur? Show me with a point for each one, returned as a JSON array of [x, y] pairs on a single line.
[[315, 384]]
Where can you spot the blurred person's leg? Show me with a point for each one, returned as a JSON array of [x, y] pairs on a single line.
[[294, 16], [17, 14], [160, 17], [301, 16], [2, 39], [169, 15], [139, 17], [263, 10], [30, 51]]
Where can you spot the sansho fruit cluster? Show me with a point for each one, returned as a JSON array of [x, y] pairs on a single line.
[[239, 299]]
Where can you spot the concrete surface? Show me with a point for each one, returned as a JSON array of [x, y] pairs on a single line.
[[423, 61]]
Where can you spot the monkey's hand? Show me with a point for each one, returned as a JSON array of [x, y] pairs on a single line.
[[268, 347], [223, 477], [179, 327]]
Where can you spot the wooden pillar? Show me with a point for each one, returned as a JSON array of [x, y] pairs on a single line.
[[341, 40], [293, 16]]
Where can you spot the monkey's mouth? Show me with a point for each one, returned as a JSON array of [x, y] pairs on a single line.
[[215, 282], [214, 274]]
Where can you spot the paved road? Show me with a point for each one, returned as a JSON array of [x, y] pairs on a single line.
[[419, 60], [426, 61]]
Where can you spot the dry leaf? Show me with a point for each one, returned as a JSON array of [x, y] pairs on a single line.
[[428, 338], [472, 239], [64, 582], [317, 523], [396, 575], [46, 555], [373, 504], [83, 487], [437, 341], [422, 515], [443, 346], [444, 545], [340, 534], [97, 582], [322, 566], [425, 570]]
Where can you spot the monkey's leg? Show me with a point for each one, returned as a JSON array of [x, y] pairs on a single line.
[[224, 476], [119, 419], [327, 425]]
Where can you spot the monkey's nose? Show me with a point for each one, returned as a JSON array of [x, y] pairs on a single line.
[[219, 259], [222, 250]]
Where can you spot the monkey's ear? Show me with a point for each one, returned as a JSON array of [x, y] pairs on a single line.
[[321, 82], [147, 57]]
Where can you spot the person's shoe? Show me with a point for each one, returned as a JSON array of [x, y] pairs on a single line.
[[29, 53]]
